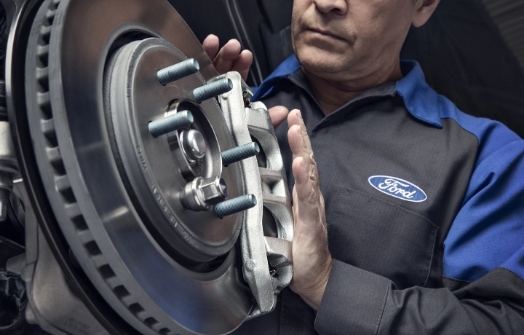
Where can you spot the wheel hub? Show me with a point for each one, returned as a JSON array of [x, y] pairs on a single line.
[[165, 173], [151, 181]]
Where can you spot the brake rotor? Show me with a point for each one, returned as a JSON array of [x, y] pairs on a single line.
[[117, 191]]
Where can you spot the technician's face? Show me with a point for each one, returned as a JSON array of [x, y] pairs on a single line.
[[342, 38]]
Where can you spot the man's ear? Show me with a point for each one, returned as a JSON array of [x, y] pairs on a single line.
[[424, 10]]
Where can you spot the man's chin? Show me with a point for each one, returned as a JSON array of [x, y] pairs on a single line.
[[321, 62]]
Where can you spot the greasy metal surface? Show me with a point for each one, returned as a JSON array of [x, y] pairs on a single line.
[[145, 286], [269, 187]]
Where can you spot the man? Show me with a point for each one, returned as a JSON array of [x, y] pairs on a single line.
[[414, 221]]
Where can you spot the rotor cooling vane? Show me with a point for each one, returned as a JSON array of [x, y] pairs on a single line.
[[150, 165]]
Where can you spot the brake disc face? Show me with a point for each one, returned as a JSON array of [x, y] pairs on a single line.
[[128, 203], [157, 170]]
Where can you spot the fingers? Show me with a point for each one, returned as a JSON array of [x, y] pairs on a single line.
[[210, 45], [308, 200], [305, 171], [243, 63], [299, 141], [311, 258], [278, 114], [304, 187], [226, 57], [295, 119], [232, 58]]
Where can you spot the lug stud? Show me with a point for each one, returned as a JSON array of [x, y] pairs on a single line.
[[239, 153], [212, 90], [177, 121], [177, 71], [230, 207]]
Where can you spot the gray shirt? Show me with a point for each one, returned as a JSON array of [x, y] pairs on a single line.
[[374, 154]]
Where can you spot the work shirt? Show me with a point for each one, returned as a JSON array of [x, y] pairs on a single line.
[[425, 213]]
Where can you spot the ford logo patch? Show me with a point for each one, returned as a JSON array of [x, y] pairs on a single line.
[[398, 188]]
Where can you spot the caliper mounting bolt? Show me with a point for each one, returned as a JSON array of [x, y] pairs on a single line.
[[240, 153], [177, 71], [212, 89], [174, 122], [236, 205]]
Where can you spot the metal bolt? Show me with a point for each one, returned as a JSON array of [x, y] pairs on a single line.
[[239, 153], [4, 202], [177, 71], [201, 194], [194, 144], [171, 123], [212, 90], [213, 190], [230, 207], [250, 264]]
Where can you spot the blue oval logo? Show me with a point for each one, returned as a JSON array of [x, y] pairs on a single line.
[[398, 188]]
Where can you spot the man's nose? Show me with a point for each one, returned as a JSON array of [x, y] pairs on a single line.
[[337, 6]]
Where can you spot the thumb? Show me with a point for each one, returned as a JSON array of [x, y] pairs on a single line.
[[278, 114]]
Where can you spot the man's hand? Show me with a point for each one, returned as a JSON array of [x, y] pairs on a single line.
[[311, 257], [230, 58]]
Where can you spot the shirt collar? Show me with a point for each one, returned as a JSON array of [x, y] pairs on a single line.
[[420, 99], [286, 68]]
